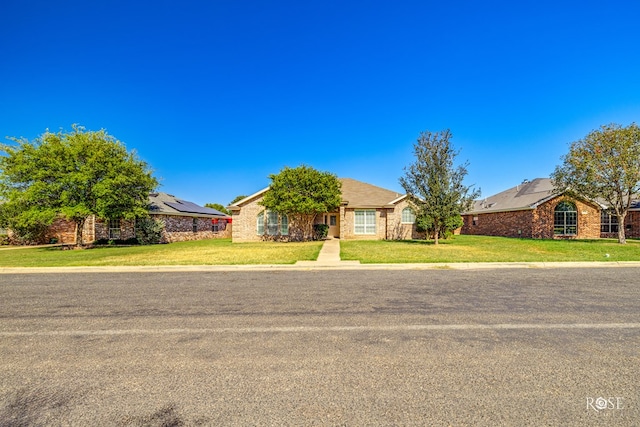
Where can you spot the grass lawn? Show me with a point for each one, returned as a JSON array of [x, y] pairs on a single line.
[[201, 252], [488, 249]]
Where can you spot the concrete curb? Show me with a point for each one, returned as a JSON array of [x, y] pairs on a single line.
[[315, 266]]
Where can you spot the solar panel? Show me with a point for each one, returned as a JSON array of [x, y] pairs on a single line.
[[189, 207]]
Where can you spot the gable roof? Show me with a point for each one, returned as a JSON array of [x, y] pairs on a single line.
[[168, 204], [358, 194], [355, 194], [527, 195]]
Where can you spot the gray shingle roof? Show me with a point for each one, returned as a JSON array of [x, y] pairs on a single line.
[[523, 196]]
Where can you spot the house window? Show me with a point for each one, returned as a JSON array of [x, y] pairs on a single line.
[[215, 227], [260, 224], [114, 228], [284, 225], [608, 222], [408, 216], [565, 219], [195, 225], [474, 221], [275, 224], [365, 221]]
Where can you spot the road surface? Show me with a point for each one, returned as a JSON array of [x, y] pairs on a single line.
[[441, 347]]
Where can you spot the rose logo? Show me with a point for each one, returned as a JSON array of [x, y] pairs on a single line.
[[601, 403]]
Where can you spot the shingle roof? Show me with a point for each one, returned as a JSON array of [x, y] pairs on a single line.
[[163, 203], [356, 194], [359, 194], [523, 196]]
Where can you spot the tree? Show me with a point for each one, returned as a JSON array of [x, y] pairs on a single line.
[[604, 165], [435, 187], [302, 193], [75, 174]]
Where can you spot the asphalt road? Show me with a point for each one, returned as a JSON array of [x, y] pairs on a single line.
[[509, 347]]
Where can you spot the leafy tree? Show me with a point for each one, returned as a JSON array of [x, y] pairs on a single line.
[[75, 174], [435, 188], [604, 165], [426, 224], [218, 207], [302, 193]]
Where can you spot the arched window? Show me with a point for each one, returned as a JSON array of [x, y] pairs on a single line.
[[275, 224], [565, 219], [408, 216]]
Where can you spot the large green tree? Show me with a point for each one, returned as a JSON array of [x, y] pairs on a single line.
[[302, 193], [604, 166], [435, 185], [75, 174]]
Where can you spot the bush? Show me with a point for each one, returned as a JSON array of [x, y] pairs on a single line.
[[320, 231], [149, 231]]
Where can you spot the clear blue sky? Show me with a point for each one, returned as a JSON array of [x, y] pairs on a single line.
[[217, 94]]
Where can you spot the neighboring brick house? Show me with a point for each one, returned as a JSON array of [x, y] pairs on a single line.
[[182, 221], [366, 212], [533, 210]]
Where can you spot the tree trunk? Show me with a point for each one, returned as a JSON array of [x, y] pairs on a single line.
[[622, 238], [435, 236], [79, 228]]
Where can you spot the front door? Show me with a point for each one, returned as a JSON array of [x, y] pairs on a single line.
[[334, 225]]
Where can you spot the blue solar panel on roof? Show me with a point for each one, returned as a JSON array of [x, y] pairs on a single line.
[[189, 207]]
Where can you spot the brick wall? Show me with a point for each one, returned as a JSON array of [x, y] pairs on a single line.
[[533, 223], [180, 229], [244, 222], [127, 229], [64, 231], [396, 230], [588, 219], [507, 224]]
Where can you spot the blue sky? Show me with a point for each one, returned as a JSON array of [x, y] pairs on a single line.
[[216, 95]]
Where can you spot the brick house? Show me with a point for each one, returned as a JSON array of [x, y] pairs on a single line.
[[366, 212], [533, 210], [182, 221]]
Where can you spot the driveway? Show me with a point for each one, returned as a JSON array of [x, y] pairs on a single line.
[[488, 347]]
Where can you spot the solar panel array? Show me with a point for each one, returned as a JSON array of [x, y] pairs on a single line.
[[189, 207]]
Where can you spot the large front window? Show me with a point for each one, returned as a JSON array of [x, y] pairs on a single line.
[[608, 222], [275, 224], [365, 222], [565, 219]]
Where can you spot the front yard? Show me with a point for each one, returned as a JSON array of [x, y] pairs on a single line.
[[223, 252], [488, 249], [201, 252]]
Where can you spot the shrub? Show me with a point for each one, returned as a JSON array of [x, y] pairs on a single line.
[[320, 231], [149, 230]]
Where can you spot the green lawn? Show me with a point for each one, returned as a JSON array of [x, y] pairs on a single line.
[[222, 251], [488, 249], [202, 252]]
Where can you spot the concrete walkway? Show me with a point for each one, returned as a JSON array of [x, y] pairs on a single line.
[[329, 256]]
